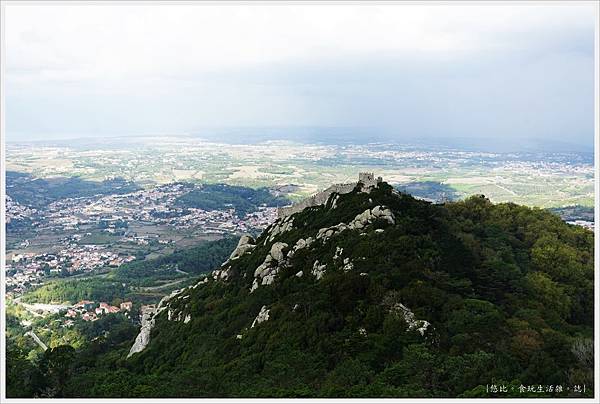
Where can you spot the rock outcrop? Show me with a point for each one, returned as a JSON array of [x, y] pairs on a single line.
[[360, 221], [149, 314], [318, 270], [245, 245], [276, 259], [412, 324], [262, 316], [148, 319], [279, 227]]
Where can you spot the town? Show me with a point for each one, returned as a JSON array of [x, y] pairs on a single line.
[[78, 235]]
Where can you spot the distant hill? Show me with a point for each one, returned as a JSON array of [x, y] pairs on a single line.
[[577, 212], [374, 294], [39, 192], [222, 196], [430, 190]]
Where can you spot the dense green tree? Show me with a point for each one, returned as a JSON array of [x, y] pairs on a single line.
[[506, 293]]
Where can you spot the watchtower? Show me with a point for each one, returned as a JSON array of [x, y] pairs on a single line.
[[368, 179]]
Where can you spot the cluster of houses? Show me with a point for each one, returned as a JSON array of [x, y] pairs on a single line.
[[157, 206], [15, 211], [91, 311], [25, 270], [583, 223]]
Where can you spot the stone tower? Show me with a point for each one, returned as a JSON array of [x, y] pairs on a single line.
[[368, 179]]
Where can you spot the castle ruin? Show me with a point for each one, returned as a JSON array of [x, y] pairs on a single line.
[[367, 180]]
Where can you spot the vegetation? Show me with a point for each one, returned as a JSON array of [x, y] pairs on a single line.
[[74, 290], [220, 196], [45, 374], [431, 190], [508, 291], [190, 261], [39, 192], [121, 283]]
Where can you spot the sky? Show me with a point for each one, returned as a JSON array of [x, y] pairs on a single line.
[[494, 73]]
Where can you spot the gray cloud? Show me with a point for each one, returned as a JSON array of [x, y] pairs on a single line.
[[529, 77]]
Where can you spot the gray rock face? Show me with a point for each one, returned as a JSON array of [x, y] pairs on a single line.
[[300, 244], [360, 221], [279, 227], [348, 265], [326, 233], [149, 314], [245, 245], [262, 316], [143, 338], [368, 216], [267, 271], [318, 270], [277, 251], [412, 324], [276, 259], [221, 273], [334, 202]]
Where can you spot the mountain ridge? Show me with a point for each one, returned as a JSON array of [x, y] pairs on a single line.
[[373, 294]]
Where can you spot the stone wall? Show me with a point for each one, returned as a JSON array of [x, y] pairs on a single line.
[[367, 179], [317, 199]]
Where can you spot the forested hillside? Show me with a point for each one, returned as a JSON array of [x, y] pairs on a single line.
[[219, 196], [374, 294], [39, 192]]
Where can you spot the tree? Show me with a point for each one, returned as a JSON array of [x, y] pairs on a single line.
[[56, 364]]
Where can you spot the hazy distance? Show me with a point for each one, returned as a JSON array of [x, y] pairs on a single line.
[[471, 75]]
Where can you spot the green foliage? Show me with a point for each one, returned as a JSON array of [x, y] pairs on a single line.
[[507, 290], [56, 368], [221, 196], [59, 291], [23, 378], [192, 261], [430, 189], [118, 283], [39, 192]]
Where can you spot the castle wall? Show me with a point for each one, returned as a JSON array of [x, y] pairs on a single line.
[[367, 179], [315, 200]]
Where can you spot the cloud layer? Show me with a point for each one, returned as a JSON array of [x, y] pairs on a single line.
[[477, 70]]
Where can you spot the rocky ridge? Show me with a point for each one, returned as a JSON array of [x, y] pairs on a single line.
[[278, 258]]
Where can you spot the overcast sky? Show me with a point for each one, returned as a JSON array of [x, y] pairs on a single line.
[[485, 71]]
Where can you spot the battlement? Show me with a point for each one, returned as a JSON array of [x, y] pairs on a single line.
[[367, 179]]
